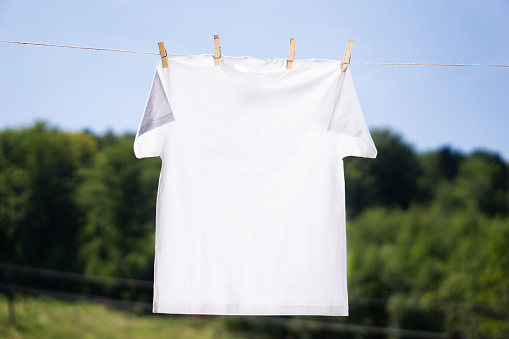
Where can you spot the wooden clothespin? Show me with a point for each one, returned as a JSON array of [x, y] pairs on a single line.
[[164, 55], [217, 50], [289, 64], [348, 52]]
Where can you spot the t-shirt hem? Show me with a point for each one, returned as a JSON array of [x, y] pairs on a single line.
[[249, 309]]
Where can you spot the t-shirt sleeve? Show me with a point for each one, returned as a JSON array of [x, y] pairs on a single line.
[[349, 123], [153, 129]]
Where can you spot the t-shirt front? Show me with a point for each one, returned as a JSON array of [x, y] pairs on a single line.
[[250, 216]]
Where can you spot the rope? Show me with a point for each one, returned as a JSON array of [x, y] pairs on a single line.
[[153, 53], [412, 64], [80, 47]]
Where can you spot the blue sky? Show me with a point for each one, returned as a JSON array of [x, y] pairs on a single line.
[[464, 107]]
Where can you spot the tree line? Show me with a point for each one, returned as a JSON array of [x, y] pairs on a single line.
[[427, 233]]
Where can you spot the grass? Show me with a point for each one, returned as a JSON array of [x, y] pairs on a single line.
[[43, 317]]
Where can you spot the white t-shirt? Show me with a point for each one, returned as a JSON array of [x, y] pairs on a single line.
[[250, 215]]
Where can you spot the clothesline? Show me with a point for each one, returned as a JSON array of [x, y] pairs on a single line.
[[154, 53]]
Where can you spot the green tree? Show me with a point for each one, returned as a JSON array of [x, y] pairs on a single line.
[[390, 180], [482, 182], [39, 217], [439, 169], [119, 196]]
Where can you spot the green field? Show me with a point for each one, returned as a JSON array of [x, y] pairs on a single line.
[[42, 317]]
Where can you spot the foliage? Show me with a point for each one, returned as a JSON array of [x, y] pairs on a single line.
[[118, 195], [433, 269], [39, 177], [391, 180], [427, 233]]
